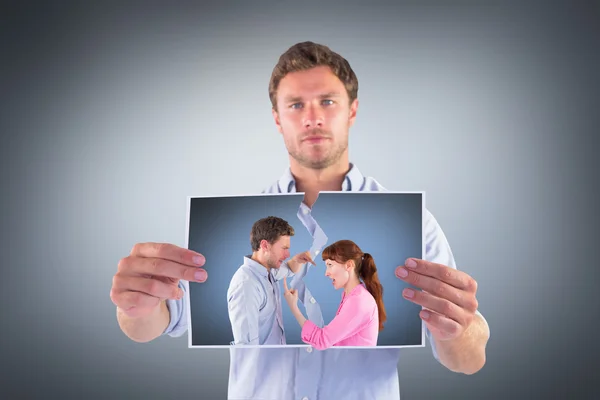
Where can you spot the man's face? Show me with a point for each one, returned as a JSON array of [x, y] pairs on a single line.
[[314, 116], [278, 252]]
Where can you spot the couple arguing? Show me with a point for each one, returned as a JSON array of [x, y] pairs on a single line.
[[254, 295]]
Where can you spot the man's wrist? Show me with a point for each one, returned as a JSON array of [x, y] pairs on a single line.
[[292, 265]]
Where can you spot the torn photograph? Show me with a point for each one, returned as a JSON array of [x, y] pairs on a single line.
[[283, 274]]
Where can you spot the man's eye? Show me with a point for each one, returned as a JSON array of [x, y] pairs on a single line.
[[296, 105], [328, 102]]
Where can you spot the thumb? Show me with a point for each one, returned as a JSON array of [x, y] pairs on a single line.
[[308, 258]]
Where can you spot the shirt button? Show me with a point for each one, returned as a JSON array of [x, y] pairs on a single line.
[[316, 252], [305, 398], [309, 349], [312, 300]]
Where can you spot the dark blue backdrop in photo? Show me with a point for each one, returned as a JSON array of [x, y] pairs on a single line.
[[387, 225]]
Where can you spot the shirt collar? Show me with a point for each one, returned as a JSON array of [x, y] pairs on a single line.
[[255, 266], [353, 181]]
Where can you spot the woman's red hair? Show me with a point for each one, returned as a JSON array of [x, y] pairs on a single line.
[[344, 250]]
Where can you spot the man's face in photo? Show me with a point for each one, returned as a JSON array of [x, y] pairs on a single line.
[[278, 252]]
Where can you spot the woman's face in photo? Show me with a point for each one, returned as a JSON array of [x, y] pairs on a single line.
[[338, 273]]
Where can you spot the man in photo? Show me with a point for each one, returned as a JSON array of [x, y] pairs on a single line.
[[254, 295]]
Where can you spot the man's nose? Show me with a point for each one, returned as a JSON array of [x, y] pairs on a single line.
[[313, 118]]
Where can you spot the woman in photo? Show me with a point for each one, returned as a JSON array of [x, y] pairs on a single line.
[[361, 313]]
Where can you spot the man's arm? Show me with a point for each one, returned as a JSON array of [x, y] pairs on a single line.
[[292, 266], [466, 352], [151, 273], [284, 271], [243, 301], [147, 328]]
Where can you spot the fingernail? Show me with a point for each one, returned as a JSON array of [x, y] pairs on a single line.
[[200, 275], [179, 294], [409, 293], [410, 263], [425, 314], [198, 260], [401, 272]]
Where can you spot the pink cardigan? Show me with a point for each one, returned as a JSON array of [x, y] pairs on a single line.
[[356, 323]]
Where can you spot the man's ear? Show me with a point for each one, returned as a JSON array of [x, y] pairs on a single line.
[[264, 245], [277, 120], [353, 111]]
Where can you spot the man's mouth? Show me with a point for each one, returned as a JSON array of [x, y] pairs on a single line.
[[315, 139]]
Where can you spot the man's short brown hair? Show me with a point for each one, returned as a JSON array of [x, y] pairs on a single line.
[[269, 229], [306, 55]]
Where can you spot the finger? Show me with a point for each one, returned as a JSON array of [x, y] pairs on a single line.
[[169, 252], [441, 306], [438, 288], [152, 287], [309, 258], [161, 268], [127, 300], [445, 326], [451, 276]]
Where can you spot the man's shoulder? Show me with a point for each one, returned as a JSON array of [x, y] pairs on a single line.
[[372, 185], [273, 188], [243, 276], [243, 273]]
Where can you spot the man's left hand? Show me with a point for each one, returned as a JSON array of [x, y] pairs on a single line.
[[447, 296]]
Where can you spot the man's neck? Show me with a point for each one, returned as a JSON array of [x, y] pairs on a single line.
[[258, 259], [313, 181]]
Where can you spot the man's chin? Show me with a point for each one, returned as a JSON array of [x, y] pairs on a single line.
[[317, 162], [314, 159]]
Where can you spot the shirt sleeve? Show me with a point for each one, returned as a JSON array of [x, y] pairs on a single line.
[[243, 303], [178, 313], [353, 316], [437, 250], [282, 272]]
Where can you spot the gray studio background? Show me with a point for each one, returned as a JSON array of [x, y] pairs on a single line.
[[111, 116], [387, 225]]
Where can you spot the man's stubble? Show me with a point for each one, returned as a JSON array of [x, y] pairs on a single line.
[[327, 155]]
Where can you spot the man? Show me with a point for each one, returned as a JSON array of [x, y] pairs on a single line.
[[254, 296], [314, 96]]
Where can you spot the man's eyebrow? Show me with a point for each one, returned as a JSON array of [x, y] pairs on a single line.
[[295, 99], [330, 94], [292, 99]]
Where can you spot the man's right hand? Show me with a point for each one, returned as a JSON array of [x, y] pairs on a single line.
[[151, 274]]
